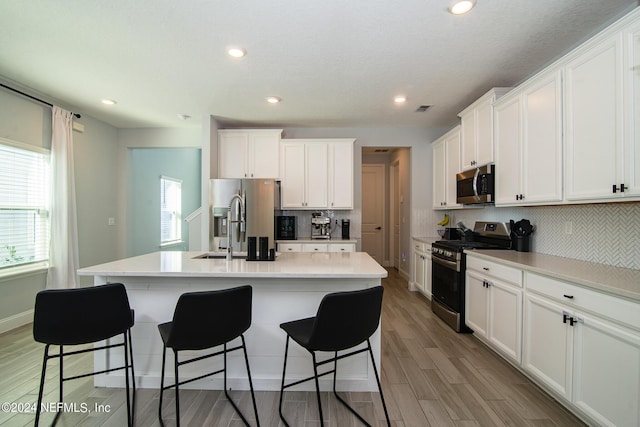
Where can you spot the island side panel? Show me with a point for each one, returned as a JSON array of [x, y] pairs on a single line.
[[274, 301]]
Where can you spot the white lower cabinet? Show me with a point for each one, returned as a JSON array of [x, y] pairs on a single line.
[[493, 305], [289, 247], [579, 344], [606, 371], [316, 247], [547, 344], [590, 359], [421, 268]]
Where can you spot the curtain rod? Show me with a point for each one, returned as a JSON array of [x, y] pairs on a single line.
[[76, 115]]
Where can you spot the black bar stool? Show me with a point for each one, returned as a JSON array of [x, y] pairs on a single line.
[[343, 321], [204, 320], [84, 316]]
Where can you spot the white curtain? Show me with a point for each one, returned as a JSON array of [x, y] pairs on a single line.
[[63, 252]]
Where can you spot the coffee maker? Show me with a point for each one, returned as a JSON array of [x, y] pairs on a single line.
[[320, 226]]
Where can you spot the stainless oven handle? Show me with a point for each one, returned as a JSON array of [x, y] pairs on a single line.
[[475, 183], [453, 265]]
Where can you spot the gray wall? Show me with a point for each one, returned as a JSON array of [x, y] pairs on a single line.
[[145, 167], [96, 167]]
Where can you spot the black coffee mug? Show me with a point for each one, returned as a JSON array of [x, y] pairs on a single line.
[[264, 248], [251, 249]]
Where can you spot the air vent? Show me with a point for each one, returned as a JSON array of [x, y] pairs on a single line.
[[422, 108], [381, 150]]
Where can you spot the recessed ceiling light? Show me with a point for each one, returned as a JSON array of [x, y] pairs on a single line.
[[462, 6], [399, 99], [109, 102], [273, 99], [237, 52]]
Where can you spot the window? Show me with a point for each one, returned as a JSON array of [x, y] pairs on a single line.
[[24, 204], [170, 211]]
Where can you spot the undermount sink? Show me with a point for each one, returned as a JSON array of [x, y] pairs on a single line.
[[219, 256]]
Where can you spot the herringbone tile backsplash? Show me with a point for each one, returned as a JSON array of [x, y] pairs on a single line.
[[602, 233]]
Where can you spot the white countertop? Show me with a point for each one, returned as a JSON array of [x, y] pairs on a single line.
[[619, 281], [287, 265], [426, 239]]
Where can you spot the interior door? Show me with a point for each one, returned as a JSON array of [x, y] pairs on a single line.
[[373, 210]]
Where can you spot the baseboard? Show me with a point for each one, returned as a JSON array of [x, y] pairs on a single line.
[[404, 275], [15, 321]]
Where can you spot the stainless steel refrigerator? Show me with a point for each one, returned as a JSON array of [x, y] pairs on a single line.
[[259, 199]]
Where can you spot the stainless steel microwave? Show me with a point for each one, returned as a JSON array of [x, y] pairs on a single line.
[[476, 186]]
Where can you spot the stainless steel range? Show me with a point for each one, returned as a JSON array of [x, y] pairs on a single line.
[[448, 268]]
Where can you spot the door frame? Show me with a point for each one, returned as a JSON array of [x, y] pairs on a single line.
[[385, 202], [394, 199]]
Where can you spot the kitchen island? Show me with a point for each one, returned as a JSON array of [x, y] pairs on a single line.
[[286, 289]]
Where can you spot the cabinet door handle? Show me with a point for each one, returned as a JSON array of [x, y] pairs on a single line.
[[485, 268], [568, 296], [621, 189]]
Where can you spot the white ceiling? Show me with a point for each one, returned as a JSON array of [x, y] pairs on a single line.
[[335, 63]]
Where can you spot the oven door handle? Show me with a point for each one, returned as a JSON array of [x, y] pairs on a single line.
[[452, 265]]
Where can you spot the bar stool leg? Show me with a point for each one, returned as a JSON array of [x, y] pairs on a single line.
[[61, 381], [375, 371], [284, 370], [164, 358], [133, 375], [315, 373], [175, 364], [126, 380], [40, 392], [253, 396]]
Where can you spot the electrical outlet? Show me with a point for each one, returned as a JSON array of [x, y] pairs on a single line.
[[568, 227], [111, 221]]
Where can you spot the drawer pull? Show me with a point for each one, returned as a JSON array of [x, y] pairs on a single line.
[[568, 296]]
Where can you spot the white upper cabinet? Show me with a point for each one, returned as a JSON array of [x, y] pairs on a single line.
[[446, 164], [632, 105], [476, 148], [249, 153], [594, 125], [341, 175], [317, 173], [528, 143]]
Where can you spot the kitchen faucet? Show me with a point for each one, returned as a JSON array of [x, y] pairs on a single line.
[[237, 200]]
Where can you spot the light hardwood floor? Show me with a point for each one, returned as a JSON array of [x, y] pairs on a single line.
[[431, 376]]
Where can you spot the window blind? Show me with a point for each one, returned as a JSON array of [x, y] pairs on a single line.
[[24, 203]]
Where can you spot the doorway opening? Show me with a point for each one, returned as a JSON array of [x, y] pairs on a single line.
[[386, 206]]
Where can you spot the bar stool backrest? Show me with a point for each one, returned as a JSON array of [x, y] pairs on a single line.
[[346, 319], [81, 315], [210, 318]]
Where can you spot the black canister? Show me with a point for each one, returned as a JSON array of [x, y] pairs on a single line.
[[346, 225], [252, 254], [521, 243], [264, 248]]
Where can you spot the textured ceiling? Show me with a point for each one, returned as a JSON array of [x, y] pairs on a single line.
[[334, 63]]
